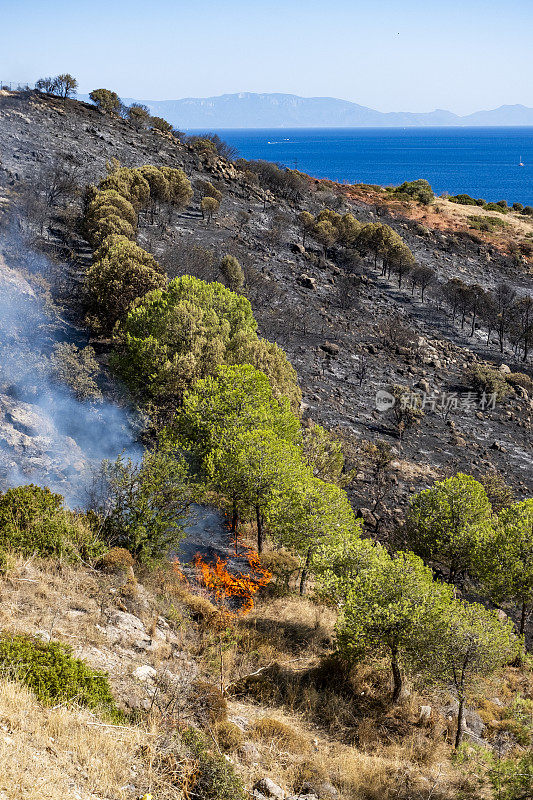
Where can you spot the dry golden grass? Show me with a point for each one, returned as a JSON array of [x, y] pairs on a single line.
[[280, 735], [52, 753], [321, 723]]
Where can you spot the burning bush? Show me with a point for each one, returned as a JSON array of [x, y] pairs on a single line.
[[226, 585]]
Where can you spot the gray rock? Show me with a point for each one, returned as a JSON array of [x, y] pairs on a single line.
[[145, 673], [297, 247], [303, 797], [327, 791], [473, 722], [330, 348], [307, 282], [324, 790], [269, 789], [249, 753], [367, 516]]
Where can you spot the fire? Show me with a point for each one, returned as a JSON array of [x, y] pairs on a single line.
[[224, 584], [178, 571]]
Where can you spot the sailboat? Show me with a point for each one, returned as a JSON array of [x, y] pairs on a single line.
[[521, 163]]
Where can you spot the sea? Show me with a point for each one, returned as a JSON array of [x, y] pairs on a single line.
[[481, 162]]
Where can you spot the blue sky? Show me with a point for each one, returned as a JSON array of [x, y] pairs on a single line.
[[392, 55]]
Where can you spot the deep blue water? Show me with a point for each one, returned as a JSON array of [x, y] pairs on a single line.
[[482, 162]]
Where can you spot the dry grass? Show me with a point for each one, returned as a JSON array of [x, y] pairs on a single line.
[[310, 719], [52, 753], [280, 735]]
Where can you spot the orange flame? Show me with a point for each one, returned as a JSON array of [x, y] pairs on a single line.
[[224, 584], [176, 565]]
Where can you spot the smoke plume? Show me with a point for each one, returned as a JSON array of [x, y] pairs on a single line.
[[47, 435]]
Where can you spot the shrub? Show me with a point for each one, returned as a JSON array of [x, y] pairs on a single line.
[[520, 379], [284, 566], [487, 223], [138, 115], [418, 190], [200, 608], [33, 521], [215, 778], [207, 704], [496, 207], [203, 146], [232, 272], [160, 124], [463, 200], [486, 379], [76, 367], [283, 736], [50, 670], [116, 560], [142, 505], [106, 100], [121, 272], [229, 736]]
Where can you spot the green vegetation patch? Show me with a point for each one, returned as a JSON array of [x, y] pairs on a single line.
[[215, 776], [50, 670], [33, 521], [488, 224]]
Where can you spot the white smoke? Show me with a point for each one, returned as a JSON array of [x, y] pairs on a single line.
[[47, 435]]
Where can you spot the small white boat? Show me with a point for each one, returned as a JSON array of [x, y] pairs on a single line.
[[521, 163]]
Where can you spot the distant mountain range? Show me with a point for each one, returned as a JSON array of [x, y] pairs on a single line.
[[248, 110]]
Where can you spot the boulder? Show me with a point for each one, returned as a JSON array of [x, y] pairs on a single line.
[[367, 516], [473, 722], [330, 348], [424, 386], [145, 673], [297, 247], [265, 787], [307, 282]]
